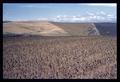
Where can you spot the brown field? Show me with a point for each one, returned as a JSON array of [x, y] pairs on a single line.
[[37, 57]]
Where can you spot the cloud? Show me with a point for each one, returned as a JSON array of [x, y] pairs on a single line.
[[101, 4], [28, 6], [89, 17], [102, 13], [42, 19], [89, 13], [34, 6]]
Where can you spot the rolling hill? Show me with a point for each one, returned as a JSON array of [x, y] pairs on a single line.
[[44, 28]]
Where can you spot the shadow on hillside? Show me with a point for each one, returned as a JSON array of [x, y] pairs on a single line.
[[107, 29], [77, 29], [19, 35]]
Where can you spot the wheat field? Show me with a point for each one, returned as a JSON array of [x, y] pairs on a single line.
[[70, 57]]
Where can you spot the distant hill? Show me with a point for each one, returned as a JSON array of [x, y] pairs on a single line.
[[6, 21], [78, 29], [45, 28], [107, 29]]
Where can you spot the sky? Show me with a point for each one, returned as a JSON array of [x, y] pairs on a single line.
[[76, 12]]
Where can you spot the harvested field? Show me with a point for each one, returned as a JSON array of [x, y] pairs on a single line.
[[34, 57]]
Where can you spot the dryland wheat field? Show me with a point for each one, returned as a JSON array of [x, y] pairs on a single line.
[[68, 57]]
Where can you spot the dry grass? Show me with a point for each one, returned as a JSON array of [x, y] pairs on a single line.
[[59, 58], [49, 29]]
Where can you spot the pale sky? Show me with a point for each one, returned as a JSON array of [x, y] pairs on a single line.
[[76, 12]]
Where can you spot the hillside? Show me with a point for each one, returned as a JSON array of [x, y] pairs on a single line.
[[50, 29], [107, 29]]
